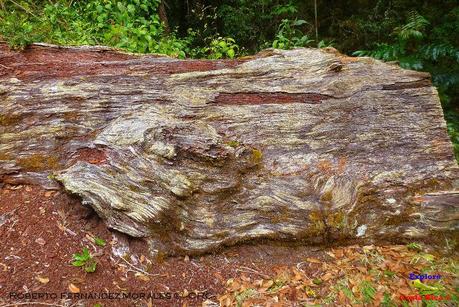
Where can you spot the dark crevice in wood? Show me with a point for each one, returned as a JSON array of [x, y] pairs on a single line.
[[268, 98]]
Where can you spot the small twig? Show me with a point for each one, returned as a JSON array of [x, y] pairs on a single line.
[[6, 67], [299, 264], [70, 232], [139, 270], [196, 265], [191, 278], [253, 271], [24, 9]]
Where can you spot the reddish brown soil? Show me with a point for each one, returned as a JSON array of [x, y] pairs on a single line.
[[40, 230]]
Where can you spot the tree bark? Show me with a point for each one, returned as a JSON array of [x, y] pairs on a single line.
[[163, 17], [304, 145]]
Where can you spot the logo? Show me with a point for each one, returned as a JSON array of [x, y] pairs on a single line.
[[421, 277]]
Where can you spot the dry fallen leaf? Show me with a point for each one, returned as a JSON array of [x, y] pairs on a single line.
[[49, 193], [208, 303], [268, 283], [258, 282], [219, 276], [150, 303], [185, 293], [234, 286], [73, 288], [40, 241], [327, 277], [225, 301], [43, 280], [5, 267], [339, 253], [142, 277], [313, 260]]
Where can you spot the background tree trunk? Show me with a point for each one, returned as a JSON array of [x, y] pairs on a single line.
[[163, 17]]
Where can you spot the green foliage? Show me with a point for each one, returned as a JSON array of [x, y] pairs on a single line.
[[132, 25], [289, 35], [387, 301], [414, 246], [414, 28], [325, 43], [368, 291], [221, 48], [244, 295], [425, 289], [99, 242], [84, 260], [253, 23]]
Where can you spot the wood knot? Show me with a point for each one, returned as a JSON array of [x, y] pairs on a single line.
[[336, 67]]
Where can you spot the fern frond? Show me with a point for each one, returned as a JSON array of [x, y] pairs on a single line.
[[436, 51], [414, 28]]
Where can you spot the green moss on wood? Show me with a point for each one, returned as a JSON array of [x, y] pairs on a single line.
[[257, 155], [233, 143]]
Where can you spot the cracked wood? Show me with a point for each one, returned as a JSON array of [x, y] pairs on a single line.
[[303, 145]]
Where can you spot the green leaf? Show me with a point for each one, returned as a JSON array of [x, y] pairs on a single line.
[[131, 8], [426, 289], [230, 53], [299, 22], [90, 267], [78, 263], [389, 273], [86, 253], [99, 242], [368, 291], [317, 281], [414, 246]]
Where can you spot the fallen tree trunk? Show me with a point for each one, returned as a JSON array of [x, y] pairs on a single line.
[[305, 145]]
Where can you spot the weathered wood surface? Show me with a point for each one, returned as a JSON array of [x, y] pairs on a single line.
[[305, 144]]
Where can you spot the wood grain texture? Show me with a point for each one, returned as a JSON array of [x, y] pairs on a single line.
[[306, 145]]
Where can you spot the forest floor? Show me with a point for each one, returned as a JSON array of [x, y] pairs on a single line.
[[41, 230]]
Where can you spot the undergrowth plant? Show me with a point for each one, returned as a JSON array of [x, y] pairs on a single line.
[[289, 35], [84, 260]]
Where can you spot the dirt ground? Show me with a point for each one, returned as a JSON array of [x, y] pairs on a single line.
[[40, 230]]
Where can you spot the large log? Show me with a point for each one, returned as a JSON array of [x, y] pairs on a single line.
[[306, 144]]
